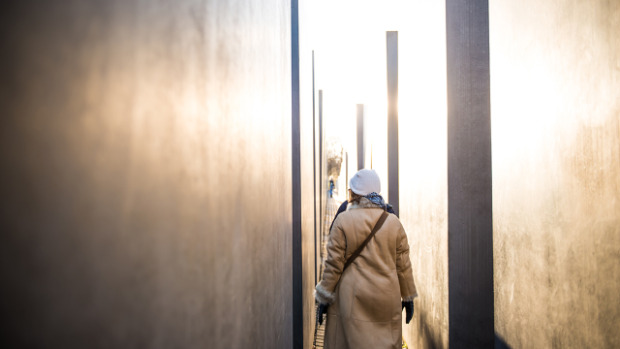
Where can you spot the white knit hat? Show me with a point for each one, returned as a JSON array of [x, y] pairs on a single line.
[[365, 182]]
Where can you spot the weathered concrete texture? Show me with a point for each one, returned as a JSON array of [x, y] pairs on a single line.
[[555, 70], [146, 174], [423, 171]]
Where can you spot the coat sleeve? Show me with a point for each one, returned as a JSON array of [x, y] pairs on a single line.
[[408, 290], [334, 263]]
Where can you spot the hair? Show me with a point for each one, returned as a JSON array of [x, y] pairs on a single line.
[[354, 197]]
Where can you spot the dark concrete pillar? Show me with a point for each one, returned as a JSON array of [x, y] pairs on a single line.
[[360, 136], [392, 137], [298, 329], [470, 226]]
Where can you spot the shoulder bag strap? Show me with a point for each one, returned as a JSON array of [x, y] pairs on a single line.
[[357, 252]]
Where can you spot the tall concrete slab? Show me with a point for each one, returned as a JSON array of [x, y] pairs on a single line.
[[146, 174], [391, 38], [315, 195], [322, 174], [297, 248], [423, 170], [361, 153], [307, 120], [470, 231], [555, 77]]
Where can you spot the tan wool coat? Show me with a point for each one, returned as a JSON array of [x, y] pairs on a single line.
[[365, 300]]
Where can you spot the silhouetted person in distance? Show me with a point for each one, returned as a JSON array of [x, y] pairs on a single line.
[[364, 302]]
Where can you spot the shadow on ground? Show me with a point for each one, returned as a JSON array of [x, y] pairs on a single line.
[[500, 343]]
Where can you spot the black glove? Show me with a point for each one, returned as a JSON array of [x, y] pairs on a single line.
[[408, 305], [322, 309]]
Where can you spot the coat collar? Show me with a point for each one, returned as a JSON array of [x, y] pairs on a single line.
[[362, 203]]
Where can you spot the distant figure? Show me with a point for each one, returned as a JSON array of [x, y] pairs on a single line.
[[364, 297], [331, 188]]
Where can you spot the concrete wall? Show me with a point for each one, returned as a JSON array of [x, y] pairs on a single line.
[[308, 193], [146, 174], [423, 169], [555, 78], [555, 92]]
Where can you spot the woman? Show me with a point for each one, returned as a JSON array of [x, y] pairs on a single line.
[[364, 302]]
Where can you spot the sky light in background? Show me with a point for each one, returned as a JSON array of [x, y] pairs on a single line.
[[349, 41]]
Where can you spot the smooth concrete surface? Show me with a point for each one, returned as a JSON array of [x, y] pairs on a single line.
[[555, 77], [308, 186], [298, 264], [314, 195], [422, 127], [146, 174], [391, 41], [470, 223], [359, 108], [309, 176]]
